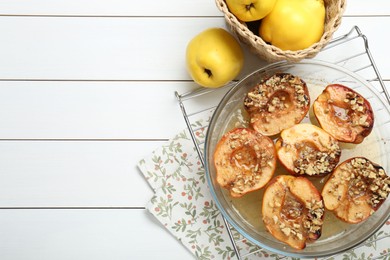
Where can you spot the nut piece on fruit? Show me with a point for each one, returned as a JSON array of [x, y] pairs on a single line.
[[305, 149], [214, 57], [356, 189], [293, 210], [276, 103], [244, 161], [344, 114], [250, 10]]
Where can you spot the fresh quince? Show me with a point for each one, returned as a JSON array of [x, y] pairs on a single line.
[[214, 57], [294, 24], [250, 10]]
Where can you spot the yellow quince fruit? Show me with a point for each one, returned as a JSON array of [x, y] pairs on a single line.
[[294, 24], [214, 57], [250, 10]]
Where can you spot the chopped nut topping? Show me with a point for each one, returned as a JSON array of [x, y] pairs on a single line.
[[310, 223], [286, 231], [315, 162], [357, 105], [359, 215], [368, 179], [355, 101], [315, 220], [258, 99]]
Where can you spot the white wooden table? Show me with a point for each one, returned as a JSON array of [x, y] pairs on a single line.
[[86, 90]]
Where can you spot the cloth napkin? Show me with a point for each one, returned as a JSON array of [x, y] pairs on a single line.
[[183, 204]]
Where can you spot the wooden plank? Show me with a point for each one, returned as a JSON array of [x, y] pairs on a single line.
[[58, 48], [363, 7], [85, 234], [111, 8], [90, 110], [53, 48], [158, 8], [73, 174], [94, 110]]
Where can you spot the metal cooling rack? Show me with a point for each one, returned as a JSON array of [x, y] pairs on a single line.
[[338, 51]]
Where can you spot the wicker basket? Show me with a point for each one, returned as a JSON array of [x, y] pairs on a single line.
[[334, 12]]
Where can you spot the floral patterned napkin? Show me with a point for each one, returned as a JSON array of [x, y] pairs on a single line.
[[184, 205]]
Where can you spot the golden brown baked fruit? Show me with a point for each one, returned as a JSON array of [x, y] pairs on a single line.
[[356, 189], [305, 149], [293, 210], [344, 113], [277, 103], [244, 161]]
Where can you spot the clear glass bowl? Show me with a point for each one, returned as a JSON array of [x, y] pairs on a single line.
[[244, 214]]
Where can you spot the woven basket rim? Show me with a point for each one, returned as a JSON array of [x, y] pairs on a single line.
[[273, 52]]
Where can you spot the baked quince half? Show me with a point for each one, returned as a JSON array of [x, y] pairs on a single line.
[[276, 103], [356, 189], [305, 149], [344, 113], [244, 160], [293, 210]]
